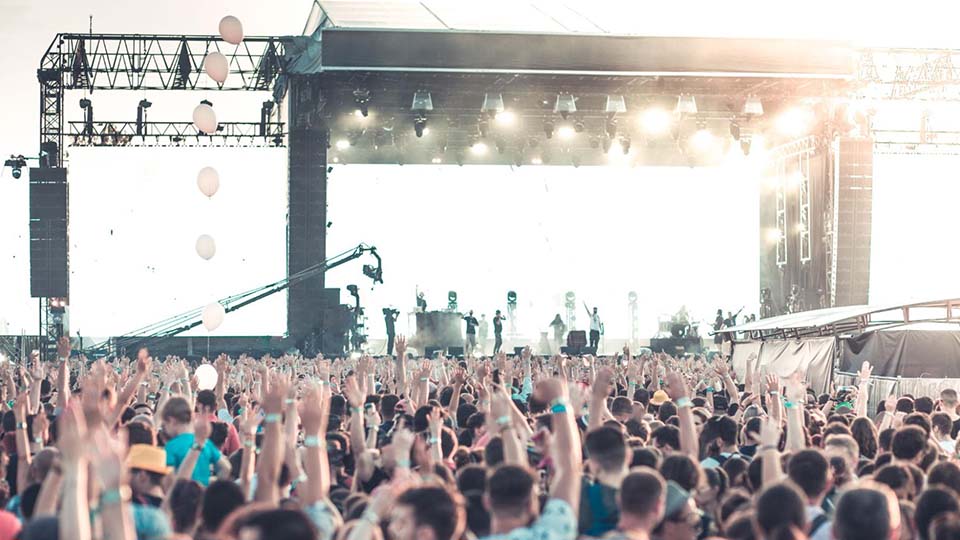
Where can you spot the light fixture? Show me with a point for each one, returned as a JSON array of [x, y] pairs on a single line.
[[566, 132], [422, 101], [536, 161], [753, 106], [565, 105], [145, 104], [483, 126], [734, 129], [594, 143], [686, 104], [479, 148], [343, 144], [436, 160], [420, 125], [548, 128], [615, 104], [361, 96], [358, 113], [610, 126], [492, 104], [16, 164], [354, 136], [794, 122], [655, 121], [578, 126], [505, 118]]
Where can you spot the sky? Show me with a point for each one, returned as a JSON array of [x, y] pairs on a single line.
[[28, 27]]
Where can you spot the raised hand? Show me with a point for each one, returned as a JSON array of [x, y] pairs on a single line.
[[400, 344], [201, 429], [72, 436], [459, 377], [770, 432], [601, 385], [796, 389], [675, 386], [63, 347], [351, 390], [865, 371]]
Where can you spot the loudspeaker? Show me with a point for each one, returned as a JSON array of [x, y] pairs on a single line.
[[577, 339], [854, 211], [455, 351], [430, 352], [517, 351], [589, 350], [49, 235], [573, 351]]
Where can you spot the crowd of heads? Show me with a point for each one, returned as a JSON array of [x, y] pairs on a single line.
[[519, 447]]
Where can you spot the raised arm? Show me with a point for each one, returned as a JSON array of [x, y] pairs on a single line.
[[796, 399], [770, 451], [314, 413], [501, 421], [74, 514], [271, 453], [598, 397], [566, 452], [676, 388]]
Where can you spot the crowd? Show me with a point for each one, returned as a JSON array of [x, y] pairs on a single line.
[[518, 448]]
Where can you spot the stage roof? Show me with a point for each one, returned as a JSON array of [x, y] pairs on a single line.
[[850, 319]]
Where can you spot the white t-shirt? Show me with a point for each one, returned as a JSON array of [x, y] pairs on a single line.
[[595, 322]]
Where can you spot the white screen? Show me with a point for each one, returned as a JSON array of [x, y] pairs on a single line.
[[913, 256], [675, 235], [135, 215]]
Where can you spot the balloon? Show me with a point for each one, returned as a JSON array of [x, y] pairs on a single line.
[[206, 247], [215, 64], [231, 30], [205, 119], [206, 376], [208, 180], [213, 316]]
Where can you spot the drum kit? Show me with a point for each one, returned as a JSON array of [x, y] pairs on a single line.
[[679, 325]]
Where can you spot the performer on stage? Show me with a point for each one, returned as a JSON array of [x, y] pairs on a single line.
[[471, 341], [596, 327], [421, 303], [389, 319], [497, 331], [559, 329], [482, 331]]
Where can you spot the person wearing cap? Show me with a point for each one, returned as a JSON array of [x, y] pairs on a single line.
[[681, 518], [148, 467]]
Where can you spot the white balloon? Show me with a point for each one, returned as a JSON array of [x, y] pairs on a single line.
[[206, 376], [206, 247], [213, 315], [208, 180], [231, 30], [205, 119], [215, 64]]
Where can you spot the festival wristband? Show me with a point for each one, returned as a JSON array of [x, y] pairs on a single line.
[[311, 441], [774, 393], [559, 407], [788, 404], [684, 402], [504, 420], [272, 418], [710, 390], [21, 425], [115, 496], [403, 463], [370, 517]]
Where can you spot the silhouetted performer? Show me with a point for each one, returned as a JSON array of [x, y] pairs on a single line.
[[497, 331]]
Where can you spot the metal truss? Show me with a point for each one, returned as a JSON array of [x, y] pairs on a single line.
[[920, 74], [167, 134], [803, 207]]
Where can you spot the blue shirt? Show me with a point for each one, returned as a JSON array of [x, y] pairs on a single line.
[[177, 449]]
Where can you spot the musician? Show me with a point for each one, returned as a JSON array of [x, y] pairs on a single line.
[[717, 326], [596, 327], [471, 341], [390, 319], [497, 331], [421, 303], [559, 329]]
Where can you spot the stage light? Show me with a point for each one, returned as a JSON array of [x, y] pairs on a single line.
[[565, 105], [625, 144], [511, 298], [436, 160], [800, 227], [548, 128], [478, 148], [16, 164], [686, 104], [655, 121], [492, 104], [566, 132], [734, 129], [483, 126], [615, 104], [506, 118], [578, 126], [753, 106], [532, 142], [361, 96], [794, 122], [343, 144], [358, 113], [594, 143], [420, 125], [536, 161], [426, 131], [452, 301], [422, 102], [632, 297], [702, 140], [575, 161], [772, 235]]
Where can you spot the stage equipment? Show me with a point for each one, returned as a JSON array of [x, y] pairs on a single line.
[[358, 329], [16, 164], [634, 319], [512, 311], [577, 339], [686, 104], [452, 301], [438, 329], [361, 96], [852, 232], [565, 105], [753, 106], [570, 305], [677, 346]]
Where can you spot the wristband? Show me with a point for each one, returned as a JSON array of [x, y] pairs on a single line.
[[38, 440], [787, 404], [21, 425], [288, 401], [504, 420], [356, 409], [272, 418], [684, 402], [311, 441], [559, 407], [774, 393], [403, 463], [300, 479], [115, 496], [424, 379], [432, 440], [710, 390], [248, 443], [198, 447]]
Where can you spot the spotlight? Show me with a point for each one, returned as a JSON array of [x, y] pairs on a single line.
[[458, 157], [532, 142], [686, 104], [734, 129], [505, 118], [16, 164], [753, 106], [511, 298], [565, 105], [452, 301], [422, 102], [655, 121], [483, 126], [632, 297], [794, 122], [419, 124], [478, 148], [594, 143], [566, 132], [354, 137], [84, 103], [142, 114], [548, 128], [702, 140], [492, 104], [578, 126], [615, 104], [358, 113], [536, 161], [361, 96], [436, 160], [772, 235], [343, 144], [575, 160]]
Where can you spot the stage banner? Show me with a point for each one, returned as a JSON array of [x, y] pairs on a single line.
[[742, 352], [904, 353], [812, 357]]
